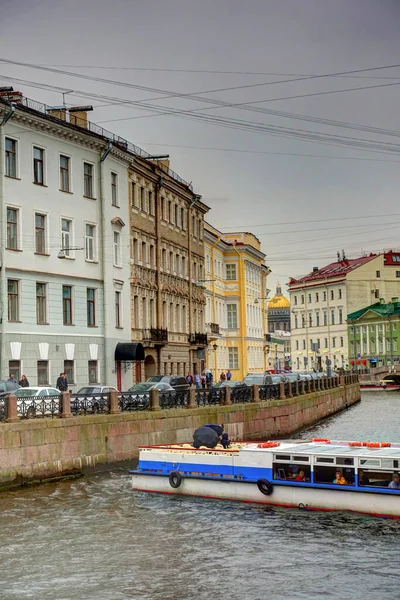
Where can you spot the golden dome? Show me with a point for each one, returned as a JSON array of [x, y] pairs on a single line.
[[279, 301]]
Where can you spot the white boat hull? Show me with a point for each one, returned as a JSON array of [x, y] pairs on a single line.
[[309, 498]]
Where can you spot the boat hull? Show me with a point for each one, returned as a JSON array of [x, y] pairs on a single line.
[[282, 495]]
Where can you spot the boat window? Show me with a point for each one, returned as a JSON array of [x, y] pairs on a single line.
[[388, 463], [291, 472], [370, 478], [300, 458], [371, 462], [282, 456], [344, 461], [328, 474], [325, 459]]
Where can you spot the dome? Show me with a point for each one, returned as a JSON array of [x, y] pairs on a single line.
[[278, 301]]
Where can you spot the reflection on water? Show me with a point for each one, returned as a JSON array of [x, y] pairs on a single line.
[[94, 539]]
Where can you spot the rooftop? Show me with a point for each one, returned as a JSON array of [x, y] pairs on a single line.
[[340, 268], [391, 309]]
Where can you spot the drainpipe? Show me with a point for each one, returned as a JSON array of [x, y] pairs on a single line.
[[242, 292], [108, 368], [3, 241], [213, 299]]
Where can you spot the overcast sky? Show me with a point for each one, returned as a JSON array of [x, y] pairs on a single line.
[[272, 185]]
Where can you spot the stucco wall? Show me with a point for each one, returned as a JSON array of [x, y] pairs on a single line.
[[36, 450]]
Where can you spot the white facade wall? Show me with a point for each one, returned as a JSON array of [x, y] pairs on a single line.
[[27, 266]]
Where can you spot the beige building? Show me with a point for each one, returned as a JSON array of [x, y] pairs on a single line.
[[167, 261], [321, 301]]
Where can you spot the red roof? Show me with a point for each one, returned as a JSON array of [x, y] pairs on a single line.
[[334, 270]]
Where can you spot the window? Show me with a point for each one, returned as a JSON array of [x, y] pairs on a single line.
[[143, 199], [232, 316], [183, 266], [325, 318], [43, 372], [93, 372], [13, 300], [394, 345], [310, 319], [317, 318], [233, 358], [333, 342], [67, 304], [295, 299], [171, 262], [309, 297], [69, 370], [302, 299], [64, 173], [117, 309], [41, 316], [144, 253], [332, 295], [114, 189], [66, 226], [303, 320], [91, 307], [152, 209], [324, 296], [378, 273], [164, 258], [332, 317], [117, 253], [152, 257], [297, 344], [326, 342], [11, 158], [14, 368], [12, 228], [90, 253], [296, 321], [88, 180], [183, 222], [231, 272], [317, 297], [177, 264], [40, 234], [133, 194], [397, 273], [304, 344], [341, 342], [388, 346], [38, 166], [176, 215], [340, 316]]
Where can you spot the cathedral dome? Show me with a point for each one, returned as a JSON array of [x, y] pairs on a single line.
[[278, 301]]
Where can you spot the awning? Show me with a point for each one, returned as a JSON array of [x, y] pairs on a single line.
[[127, 351]]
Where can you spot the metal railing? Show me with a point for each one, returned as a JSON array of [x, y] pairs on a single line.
[[241, 394], [133, 401], [104, 133], [210, 397], [83, 404], [199, 339], [31, 407], [174, 399], [269, 391], [155, 335], [214, 328], [3, 410]]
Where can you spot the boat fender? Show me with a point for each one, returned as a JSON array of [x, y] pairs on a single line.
[[175, 479], [265, 487]]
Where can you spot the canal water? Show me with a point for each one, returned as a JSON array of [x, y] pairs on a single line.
[[94, 539]]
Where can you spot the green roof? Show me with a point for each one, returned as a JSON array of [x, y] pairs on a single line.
[[391, 309]]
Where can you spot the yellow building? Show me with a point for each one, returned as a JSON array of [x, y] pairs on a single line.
[[236, 309]]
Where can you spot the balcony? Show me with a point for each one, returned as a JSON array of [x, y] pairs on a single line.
[[155, 336], [213, 330], [198, 339]]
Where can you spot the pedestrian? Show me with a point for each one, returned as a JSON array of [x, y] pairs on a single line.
[[62, 383], [11, 378], [228, 375], [209, 378], [203, 381], [23, 382], [222, 377], [197, 380], [189, 379]]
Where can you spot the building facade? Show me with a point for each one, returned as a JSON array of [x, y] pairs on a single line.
[[278, 312], [236, 310], [321, 301], [167, 270], [64, 246], [374, 335]]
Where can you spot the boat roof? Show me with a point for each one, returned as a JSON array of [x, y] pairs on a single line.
[[335, 448]]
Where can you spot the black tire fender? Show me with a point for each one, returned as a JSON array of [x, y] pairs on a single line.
[[265, 487], [175, 479]]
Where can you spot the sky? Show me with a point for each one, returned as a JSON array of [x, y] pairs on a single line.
[[303, 198]]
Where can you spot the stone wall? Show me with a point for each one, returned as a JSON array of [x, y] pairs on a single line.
[[41, 449]]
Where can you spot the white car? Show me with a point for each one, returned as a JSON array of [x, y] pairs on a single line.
[[91, 399], [32, 401]]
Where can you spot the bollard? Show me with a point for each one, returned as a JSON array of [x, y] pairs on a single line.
[[11, 407], [192, 398], [322, 383], [255, 395], [154, 400], [227, 400], [113, 404], [313, 385], [282, 391], [290, 389], [65, 405], [308, 386]]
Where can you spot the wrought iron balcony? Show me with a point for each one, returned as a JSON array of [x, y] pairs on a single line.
[[198, 339], [214, 327], [156, 336]]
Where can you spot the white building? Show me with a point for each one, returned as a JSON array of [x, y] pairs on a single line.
[[321, 301], [64, 247]]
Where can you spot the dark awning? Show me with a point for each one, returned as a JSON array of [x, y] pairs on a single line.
[[129, 351]]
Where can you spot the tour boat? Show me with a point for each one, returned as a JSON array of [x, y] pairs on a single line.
[[390, 383], [316, 474]]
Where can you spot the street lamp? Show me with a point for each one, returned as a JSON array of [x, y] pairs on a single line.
[[257, 300], [63, 252], [200, 282]]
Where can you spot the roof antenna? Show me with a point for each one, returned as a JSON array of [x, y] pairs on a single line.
[[338, 256], [343, 255]]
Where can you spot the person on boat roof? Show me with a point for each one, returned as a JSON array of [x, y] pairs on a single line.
[[219, 429], [225, 441], [340, 479], [395, 483]]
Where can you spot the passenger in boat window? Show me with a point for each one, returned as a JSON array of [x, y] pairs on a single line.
[[395, 483], [339, 479], [362, 478], [301, 477]]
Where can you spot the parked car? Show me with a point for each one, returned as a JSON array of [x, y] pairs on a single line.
[[7, 387], [137, 397], [90, 398], [292, 376], [230, 383], [142, 388], [263, 379], [178, 383], [33, 400], [305, 375]]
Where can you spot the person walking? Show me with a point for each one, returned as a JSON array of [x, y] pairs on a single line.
[[11, 378], [189, 379], [62, 383], [197, 380], [222, 377], [23, 382], [228, 375]]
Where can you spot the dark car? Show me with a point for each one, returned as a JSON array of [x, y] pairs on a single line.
[[6, 387], [178, 383]]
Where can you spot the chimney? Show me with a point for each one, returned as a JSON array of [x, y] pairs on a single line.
[[8, 94], [315, 269], [59, 112], [162, 162], [78, 115], [395, 299], [381, 300]]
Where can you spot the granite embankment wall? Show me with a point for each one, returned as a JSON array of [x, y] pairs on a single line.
[[42, 449]]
